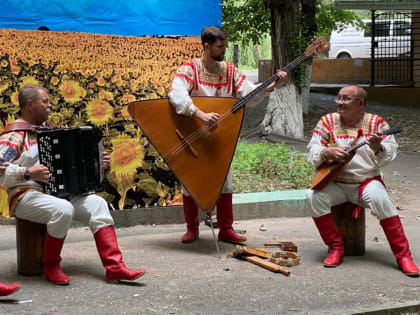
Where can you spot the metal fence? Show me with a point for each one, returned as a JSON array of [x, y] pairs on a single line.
[[392, 55]]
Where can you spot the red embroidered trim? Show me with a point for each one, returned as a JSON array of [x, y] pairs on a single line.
[[240, 83], [357, 211], [181, 75], [14, 198], [9, 144]]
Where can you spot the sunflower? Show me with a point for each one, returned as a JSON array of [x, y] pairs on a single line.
[[99, 112], [32, 63], [10, 119], [127, 155], [116, 78], [15, 98], [106, 95], [107, 71], [28, 80], [4, 63], [101, 81], [127, 98], [4, 204], [123, 184], [54, 80], [15, 70], [72, 91], [125, 115], [84, 72], [3, 87], [161, 90]]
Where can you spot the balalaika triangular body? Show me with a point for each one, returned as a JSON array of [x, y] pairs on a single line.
[[199, 156]]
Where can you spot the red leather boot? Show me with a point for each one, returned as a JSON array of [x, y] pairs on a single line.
[[191, 218], [225, 220], [332, 238], [399, 245], [51, 260], [6, 289], [111, 257]]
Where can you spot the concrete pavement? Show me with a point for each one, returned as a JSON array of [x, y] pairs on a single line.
[[191, 279]]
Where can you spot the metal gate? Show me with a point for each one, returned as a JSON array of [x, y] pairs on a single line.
[[392, 49]]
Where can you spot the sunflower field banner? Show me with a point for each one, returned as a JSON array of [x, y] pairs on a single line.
[[91, 79], [127, 17]]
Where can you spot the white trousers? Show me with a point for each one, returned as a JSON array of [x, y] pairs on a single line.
[[374, 196], [226, 189], [58, 213]]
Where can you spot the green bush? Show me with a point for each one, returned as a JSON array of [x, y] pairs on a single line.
[[269, 167]]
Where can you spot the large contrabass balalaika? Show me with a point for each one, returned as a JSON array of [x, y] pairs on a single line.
[[200, 155]]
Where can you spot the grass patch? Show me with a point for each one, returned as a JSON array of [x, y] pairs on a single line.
[[269, 167]]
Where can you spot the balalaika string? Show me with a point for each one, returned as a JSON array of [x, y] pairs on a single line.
[[238, 105]]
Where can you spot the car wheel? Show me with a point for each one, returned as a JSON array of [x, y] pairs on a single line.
[[344, 56]]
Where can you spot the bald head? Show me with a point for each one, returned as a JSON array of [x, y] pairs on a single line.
[[355, 92]]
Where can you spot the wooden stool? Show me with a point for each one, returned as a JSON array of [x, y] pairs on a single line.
[[352, 230], [30, 238]]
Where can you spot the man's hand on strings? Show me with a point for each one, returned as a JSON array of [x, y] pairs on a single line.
[[209, 119], [281, 80], [334, 153], [375, 143]]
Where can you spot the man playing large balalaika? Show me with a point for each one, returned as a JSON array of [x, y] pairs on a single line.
[[211, 76]]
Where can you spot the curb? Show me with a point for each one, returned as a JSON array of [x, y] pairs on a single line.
[[247, 206]]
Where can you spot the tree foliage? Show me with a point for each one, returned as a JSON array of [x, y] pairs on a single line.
[[247, 21]]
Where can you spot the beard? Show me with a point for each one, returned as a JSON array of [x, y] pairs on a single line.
[[218, 58]]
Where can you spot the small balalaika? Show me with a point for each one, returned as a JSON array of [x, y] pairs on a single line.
[[199, 155], [74, 158]]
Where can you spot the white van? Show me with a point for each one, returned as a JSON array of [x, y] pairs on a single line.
[[392, 38]]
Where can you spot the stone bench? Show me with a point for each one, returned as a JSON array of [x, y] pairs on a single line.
[[352, 230], [30, 238]]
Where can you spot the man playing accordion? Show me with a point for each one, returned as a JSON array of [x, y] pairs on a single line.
[[22, 177]]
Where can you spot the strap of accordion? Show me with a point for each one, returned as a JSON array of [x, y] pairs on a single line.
[[17, 126], [24, 126]]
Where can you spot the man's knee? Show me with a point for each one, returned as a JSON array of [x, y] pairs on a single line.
[[98, 201], [64, 210]]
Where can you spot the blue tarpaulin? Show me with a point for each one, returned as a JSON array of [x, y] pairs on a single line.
[[119, 17]]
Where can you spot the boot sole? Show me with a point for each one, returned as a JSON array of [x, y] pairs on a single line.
[[188, 241], [58, 283], [15, 290], [413, 275], [116, 281], [233, 242]]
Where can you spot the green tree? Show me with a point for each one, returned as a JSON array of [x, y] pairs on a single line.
[[248, 21], [292, 25]]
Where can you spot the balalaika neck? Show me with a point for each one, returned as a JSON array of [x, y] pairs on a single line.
[[243, 101]]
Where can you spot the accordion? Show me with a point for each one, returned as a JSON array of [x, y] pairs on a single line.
[[74, 158]]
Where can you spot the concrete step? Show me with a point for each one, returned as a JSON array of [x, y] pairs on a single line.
[[247, 206]]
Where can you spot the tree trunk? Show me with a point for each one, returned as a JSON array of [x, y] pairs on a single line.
[[284, 111]]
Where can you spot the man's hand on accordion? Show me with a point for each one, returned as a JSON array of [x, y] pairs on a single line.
[[39, 173], [106, 160]]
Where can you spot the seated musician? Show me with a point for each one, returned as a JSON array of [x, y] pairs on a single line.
[[210, 75], [27, 201], [360, 180]]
